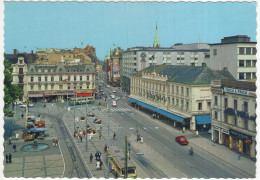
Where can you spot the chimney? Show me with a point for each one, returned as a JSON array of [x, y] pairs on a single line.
[[192, 64], [15, 51], [204, 64]]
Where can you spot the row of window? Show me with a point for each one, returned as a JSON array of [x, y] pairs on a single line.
[[247, 50], [244, 105], [247, 75], [247, 63], [60, 78], [45, 87]]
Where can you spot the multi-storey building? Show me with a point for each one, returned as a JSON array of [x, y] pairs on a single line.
[[179, 93], [19, 72], [115, 66], [237, 54], [56, 81], [234, 115], [136, 59]]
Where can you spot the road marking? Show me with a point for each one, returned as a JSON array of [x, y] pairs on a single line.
[[188, 163], [208, 162], [131, 128], [156, 127]]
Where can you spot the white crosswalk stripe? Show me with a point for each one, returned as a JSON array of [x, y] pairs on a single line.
[[117, 109]]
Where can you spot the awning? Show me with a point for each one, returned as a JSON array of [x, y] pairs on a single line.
[[35, 95], [83, 94], [160, 111], [203, 119]]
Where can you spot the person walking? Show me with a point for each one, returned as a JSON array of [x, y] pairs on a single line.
[[101, 163], [98, 165], [91, 157], [10, 158], [56, 142], [105, 148], [14, 147], [80, 138], [114, 136], [96, 154], [17, 136], [53, 142], [22, 116], [84, 133], [6, 158], [10, 140]]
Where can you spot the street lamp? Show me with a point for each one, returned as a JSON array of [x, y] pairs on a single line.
[[86, 125], [108, 144], [74, 116]]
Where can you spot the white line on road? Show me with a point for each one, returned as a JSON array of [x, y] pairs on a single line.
[[188, 163], [131, 128]]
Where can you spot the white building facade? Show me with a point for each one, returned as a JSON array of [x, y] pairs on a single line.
[[234, 115], [237, 54]]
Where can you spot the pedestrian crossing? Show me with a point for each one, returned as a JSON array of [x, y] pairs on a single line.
[[117, 109]]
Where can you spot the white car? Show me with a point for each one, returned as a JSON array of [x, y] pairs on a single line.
[[108, 86], [30, 105], [114, 91], [19, 102], [114, 103], [23, 106]]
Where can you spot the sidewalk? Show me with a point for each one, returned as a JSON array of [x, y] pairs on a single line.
[[47, 163], [220, 151]]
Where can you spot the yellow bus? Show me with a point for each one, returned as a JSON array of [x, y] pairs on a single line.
[[117, 163]]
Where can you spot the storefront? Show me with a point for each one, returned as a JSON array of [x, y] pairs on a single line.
[[225, 135], [215, 133]]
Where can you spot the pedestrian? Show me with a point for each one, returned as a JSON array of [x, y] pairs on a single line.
[[98, 165], [101, 163], [22, 116], [6, 158], [10, 140], [10, 158], [141, 139], [80, 138], [84, 133], [91, 157], [105, 148], [14, 147], [183, 130], [53, 142], [100, 135], [56, 142], [99, 155], [17, 135], [96, 154], [114, 136]]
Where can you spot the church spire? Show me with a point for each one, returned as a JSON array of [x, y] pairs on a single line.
[[156, 43]]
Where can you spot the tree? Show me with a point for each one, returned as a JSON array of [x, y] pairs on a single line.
[[12, 92]]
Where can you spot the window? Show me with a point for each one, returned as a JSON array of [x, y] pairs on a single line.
[[80, 78], [182, 91], [20, 61], [245, 106], [199, 106], [60, 87], [181, 104], [20, 70], [245, 123], [52, 78], [60, 78], [248, 63], [209, 105], [46, 87], [241, 63], [75, 78], [248, 75], [214, 52], [31, 79], [187, 106], [241, 50], [187, 92], [39, 79], [68, 78], [20, 79], [87, 86], [235, 104], [241, 76], [216, 100], [177, 102], [31, 88], [216, 115], [87, 78], [253, 63], [177, 89], [225, 102], [173, 101], [254, 51], [225, 118], [52, 87], [75, 87], [80, 87], [39, 87], [46, 78], [253, 75], [248, 50]]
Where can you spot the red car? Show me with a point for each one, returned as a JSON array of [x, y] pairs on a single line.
[[182, 140]]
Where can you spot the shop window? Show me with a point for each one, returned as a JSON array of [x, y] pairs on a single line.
[[199, 106], [241, 63]]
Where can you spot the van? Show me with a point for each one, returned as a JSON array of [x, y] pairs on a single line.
[[114, 103]]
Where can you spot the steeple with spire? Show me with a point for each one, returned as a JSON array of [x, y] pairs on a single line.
[[156, 43]]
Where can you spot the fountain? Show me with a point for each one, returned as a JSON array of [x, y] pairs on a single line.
[[35, 147]]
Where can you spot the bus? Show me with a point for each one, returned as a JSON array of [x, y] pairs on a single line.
[[117, 164]]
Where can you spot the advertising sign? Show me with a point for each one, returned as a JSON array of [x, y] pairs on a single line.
[[116, 71], [240, 91]]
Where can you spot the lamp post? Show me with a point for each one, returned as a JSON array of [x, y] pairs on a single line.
[[74, 117], [86, 126], [126, 170], [108, 145]]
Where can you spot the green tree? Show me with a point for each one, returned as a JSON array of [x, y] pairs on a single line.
[[12, 92]]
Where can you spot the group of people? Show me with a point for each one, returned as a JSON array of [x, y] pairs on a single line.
[[79, 134], [140, 138], [99, 163], [8, 158], [54, 142]]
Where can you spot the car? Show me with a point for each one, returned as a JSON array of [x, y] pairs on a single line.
[[101, 90], [19, 102], [182, 140], [108, 86], [114, 91], [113, 96], [23, 106], [114, 103], [30, 105]]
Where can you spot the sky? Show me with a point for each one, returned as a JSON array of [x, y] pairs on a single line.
[[32, 25]]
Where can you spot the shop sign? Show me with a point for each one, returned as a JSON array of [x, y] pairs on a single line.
[[225, 131], [247, 141], [239, 135], [219, 91], [240, 92]]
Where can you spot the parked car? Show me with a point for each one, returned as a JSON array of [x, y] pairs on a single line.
[[182, 140], [113, 96], [23, 106], [19, 102], [114, 91], [30, 105]]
